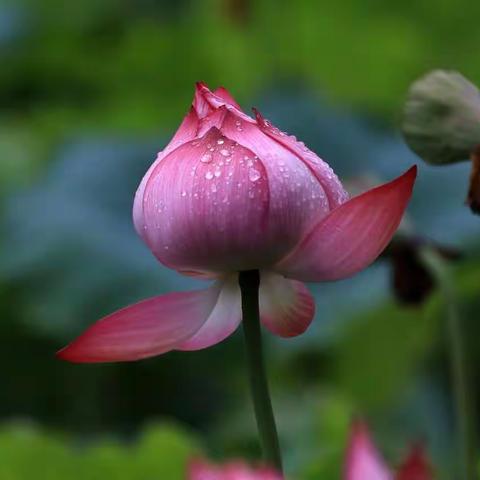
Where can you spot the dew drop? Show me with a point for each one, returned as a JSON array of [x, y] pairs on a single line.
[[220, 141], [254, 175], [206, 158], [184, 193], [225, 152], [209, 175], [218, 173]]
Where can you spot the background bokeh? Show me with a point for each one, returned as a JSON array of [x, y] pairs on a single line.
[[89, 92]]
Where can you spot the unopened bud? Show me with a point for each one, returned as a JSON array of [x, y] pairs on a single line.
[[441, 121]]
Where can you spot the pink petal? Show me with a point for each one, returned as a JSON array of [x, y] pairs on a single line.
[[363, 460], [146, 329], [201, 470], [351, 236], [225, 95], [235, 470], [213, 119], [186, 132], [332, 186], [416, 466], [206, 208], [200, 104], [286, 306], [223, 320], [297, 199], [204, 96]]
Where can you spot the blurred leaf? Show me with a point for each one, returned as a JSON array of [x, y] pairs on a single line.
[[162, 452], [381, 348]]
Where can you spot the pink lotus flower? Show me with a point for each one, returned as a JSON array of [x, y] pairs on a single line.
[[237, 470], [232, 193], [365, 463]]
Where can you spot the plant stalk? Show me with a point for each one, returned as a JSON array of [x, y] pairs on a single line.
[[249, 286], [465, 421]]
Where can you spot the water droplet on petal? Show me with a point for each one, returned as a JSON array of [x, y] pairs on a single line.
[[220, 141], [254, 175], [206, 158], [225, 152], [209, 175], [218, 173], [184, 193]]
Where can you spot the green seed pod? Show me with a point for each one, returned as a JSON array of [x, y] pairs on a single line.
[[441, 121]]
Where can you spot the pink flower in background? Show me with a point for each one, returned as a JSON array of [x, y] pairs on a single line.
[[237, 470], [365, 463], [231, 193]]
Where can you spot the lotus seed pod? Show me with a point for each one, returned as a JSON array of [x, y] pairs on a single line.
[[441, 121]]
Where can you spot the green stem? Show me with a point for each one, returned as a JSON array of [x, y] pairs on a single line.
[[458, 360], [249, 286]]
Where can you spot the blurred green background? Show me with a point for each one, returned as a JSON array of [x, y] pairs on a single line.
[[89, 92]]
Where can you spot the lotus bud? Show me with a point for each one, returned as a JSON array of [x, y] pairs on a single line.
[[441, 123]]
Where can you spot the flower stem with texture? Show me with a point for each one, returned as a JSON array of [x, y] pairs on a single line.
[[249, 286], [458, 360]]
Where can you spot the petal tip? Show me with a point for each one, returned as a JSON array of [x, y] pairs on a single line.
[[60, 354], [67, 354], [411, 173], [72, 353], [199, 85], [406, 180], [258, 116]]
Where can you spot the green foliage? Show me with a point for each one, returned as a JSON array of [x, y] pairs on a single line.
[[162, 451], [109, 64], [381, 348]]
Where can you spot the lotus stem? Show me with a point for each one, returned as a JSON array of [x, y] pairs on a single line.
[[440, 270], [249, 285]]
